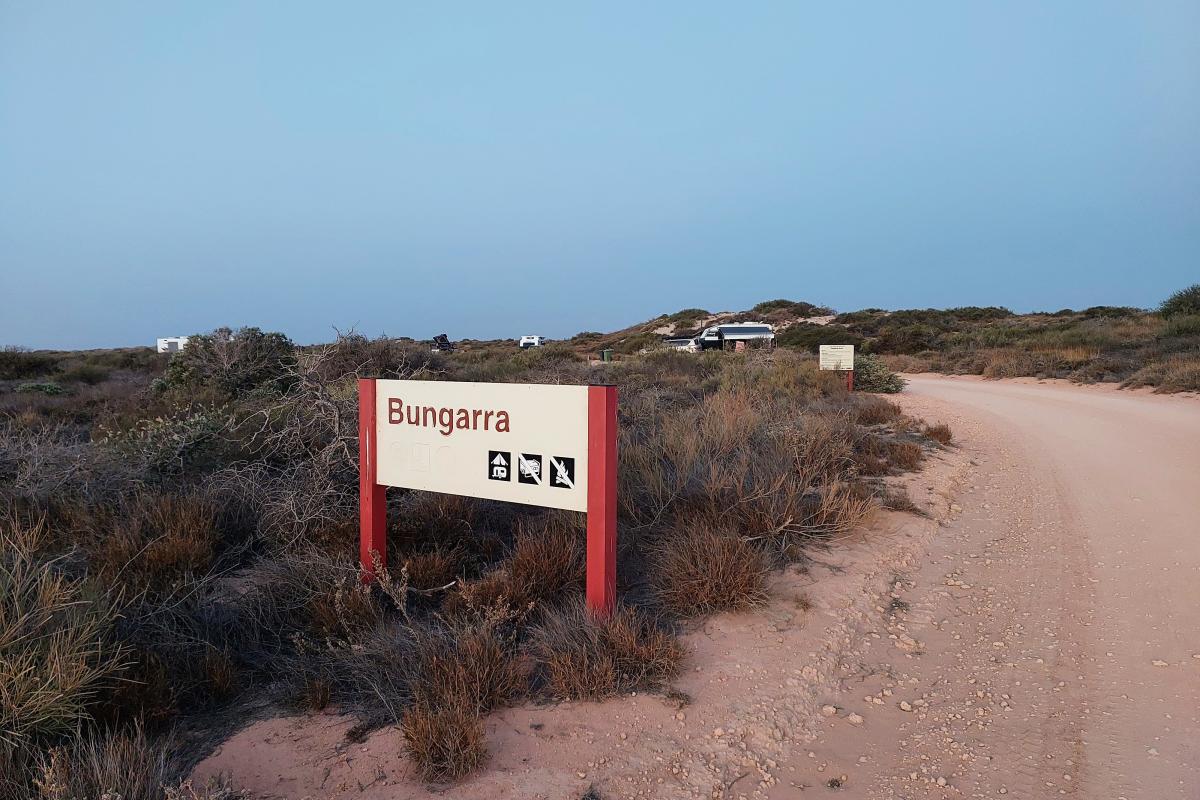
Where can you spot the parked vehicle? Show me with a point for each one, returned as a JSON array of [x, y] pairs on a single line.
[[687, 345], [727, 336], [532, 341], [442, 344], [172, 344]]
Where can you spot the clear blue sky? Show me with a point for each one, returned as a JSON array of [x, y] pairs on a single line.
[[495, 169]]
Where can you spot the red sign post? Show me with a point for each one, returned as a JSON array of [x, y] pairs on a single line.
[[601, 501]]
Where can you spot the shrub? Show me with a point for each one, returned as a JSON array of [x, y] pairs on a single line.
[[637, 342], [234, 362], [806, 336], [582, 657], [17, 363], [686, 318], [472, 664], [872, 375], [702, 571], [1185, 302], [1111, 311], [792, 308], [898, 499], [41, 388], [1177, 373], [1183, 325], [433, 569], [90, 374]]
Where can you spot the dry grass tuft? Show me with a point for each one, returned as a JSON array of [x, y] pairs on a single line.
[[548, 558], [581, 657], [898, 499], [940, 433], [463, 673], [127, 765], [476, 667], [905, 455], [700, 571], [150, 541], [445, 742], [876, 411], [434, 569], [56, 647]]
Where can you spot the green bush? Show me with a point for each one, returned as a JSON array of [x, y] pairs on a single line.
[[1185, 302], [17, 363], [235, 362], [806, 336], [797, 308], [872, 375], [1188, 325], [41, 388], [686, 317], [1111, 311]]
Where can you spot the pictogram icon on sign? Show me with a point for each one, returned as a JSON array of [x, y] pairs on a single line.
[[529, 468], [498, 465], [562, 472]]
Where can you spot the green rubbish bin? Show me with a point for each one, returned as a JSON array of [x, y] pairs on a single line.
[[606, 355]]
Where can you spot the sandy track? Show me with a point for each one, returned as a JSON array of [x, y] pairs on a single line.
[[1050, 643]]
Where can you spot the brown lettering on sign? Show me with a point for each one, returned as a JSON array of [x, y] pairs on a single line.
[[447, 420]]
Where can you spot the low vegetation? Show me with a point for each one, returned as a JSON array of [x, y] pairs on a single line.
[[1114, 344], [179, 545]]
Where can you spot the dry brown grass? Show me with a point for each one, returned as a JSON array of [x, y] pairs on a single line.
[[150, 541], [702, 571], [940, 433], [57, 651], [905, 455], [871, 455], [898, 499], [581, 657], [1177, 373], [477, 667], [445, 742], [127, 765], [730, 464], [876, 411], [491, 591], [548, 558], [463, 673], [435, 568]]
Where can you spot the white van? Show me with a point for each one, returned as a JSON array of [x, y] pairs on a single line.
[[532, 341]]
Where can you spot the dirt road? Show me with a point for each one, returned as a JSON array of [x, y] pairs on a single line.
[[1050, 643]]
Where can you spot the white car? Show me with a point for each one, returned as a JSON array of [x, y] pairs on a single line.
[[532, 341]]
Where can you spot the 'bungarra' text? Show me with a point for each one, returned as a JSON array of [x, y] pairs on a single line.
[[446, 420]]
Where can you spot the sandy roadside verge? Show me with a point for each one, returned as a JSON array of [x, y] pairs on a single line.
[[756, 682]]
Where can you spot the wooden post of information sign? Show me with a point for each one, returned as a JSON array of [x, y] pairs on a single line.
[[552, 446]]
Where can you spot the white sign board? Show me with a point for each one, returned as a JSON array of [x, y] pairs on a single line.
[[837, 356], [523, 443]]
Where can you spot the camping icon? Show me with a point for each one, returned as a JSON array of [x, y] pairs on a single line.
[[498, 465]]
